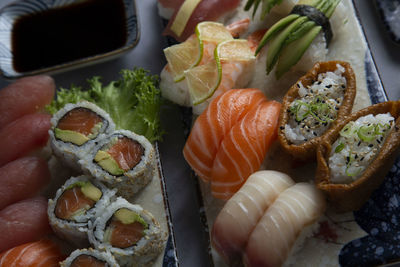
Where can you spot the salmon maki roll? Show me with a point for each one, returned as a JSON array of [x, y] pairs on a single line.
[[76, 128], [129, 232], [44, 253], [89, 258], [122, 160], [77, 202]]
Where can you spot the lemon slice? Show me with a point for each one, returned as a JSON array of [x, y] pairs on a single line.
[[235, 50], [203, 80], [184, 56], [214, 32]]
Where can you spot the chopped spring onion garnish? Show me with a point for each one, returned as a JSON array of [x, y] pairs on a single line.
[[366, 133], [322, 112], [350, 169], [339, 148]]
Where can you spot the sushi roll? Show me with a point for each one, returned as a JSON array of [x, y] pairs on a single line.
[[89, 257], [313, 105], [122, 160], [129, 232], [75, 129], [78, 201], [355, 157]]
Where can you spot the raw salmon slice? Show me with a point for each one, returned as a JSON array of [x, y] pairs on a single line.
[[87, 260], [70, 202], [243, 149], [25, 96], [126, 152], [23, 222], [212, 125], [125, 235], [23, 135], [81, 120], [21, 179], [43, 253]]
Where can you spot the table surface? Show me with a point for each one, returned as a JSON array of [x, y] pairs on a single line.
[[148, 54]]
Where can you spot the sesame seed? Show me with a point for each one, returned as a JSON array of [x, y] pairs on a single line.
[[281, 127], [359, 143], [362, 159], [370, 145], [329, 86]]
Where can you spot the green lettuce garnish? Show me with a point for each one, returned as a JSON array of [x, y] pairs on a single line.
[[133, 102]]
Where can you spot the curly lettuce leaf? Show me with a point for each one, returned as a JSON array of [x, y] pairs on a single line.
[[133, 102]]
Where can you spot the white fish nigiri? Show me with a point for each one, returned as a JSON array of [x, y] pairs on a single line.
[[241, 213], [272, 239]]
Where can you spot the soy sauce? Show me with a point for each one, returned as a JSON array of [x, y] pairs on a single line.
[[64, 34]]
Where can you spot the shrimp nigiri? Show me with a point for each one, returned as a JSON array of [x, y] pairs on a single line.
[[235, 74]]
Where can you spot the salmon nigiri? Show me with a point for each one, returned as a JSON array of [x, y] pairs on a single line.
[[212, 125], [44, 253], [243, 149]]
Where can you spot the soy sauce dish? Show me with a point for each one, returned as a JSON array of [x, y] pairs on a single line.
[[50, 36]]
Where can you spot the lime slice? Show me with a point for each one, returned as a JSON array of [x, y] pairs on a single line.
[[235, 50], [184, 56], [203, 80], [212, 32]]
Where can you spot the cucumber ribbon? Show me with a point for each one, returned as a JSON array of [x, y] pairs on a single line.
[[291, 36]]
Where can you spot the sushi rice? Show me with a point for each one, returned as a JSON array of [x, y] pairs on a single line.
[[326, 95], [140, 254], [75, 231], [357, 146], [129, 183], [68, 152], [104, 256]]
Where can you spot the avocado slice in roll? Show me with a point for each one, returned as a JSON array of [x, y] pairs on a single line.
[[355, 156], [313, 105]]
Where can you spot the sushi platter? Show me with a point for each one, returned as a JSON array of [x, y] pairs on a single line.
[[296, 166]]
